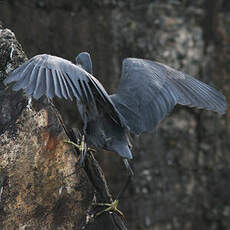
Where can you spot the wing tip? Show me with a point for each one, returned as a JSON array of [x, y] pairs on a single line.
[[11, 78], [222, 104], [223, 108]]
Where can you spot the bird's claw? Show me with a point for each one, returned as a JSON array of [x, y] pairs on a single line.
[[110, 208]]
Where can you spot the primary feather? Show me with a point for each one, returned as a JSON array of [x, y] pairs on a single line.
[[148, 91]]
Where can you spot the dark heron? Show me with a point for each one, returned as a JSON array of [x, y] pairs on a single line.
[[147, 92]]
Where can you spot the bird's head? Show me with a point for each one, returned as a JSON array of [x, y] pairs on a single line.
[[83, 59]]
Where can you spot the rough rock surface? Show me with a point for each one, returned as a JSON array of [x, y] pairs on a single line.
[[39, 186]]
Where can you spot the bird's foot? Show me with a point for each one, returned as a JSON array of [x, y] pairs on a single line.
[[82, 149], [79, 147], [110, 208]]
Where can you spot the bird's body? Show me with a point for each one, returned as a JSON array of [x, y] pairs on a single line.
[[101, 131], [147, 92]]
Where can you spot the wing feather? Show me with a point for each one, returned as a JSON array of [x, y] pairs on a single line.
[[66, 86], [56, 77], [32, 82], [40, 84], [16, 74], [49, 84], [57, 89], [89, 92], [23, 80], [83, 91], [72, 87], [148, 91], [63, 90]]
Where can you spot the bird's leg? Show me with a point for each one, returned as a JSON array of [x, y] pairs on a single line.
[[110, 208], [113, 206], [82, 147], [79, 147]]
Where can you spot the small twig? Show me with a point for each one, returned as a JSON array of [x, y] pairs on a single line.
[[124, 187]]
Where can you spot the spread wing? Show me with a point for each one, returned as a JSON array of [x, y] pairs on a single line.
[[148, 91], [56, 77]]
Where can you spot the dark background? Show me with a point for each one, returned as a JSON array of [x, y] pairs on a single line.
[[182, 172]]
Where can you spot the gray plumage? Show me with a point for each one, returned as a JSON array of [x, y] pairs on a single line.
[[147, 92]]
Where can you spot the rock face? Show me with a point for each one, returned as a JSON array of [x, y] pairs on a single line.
[[182, 173], [39, 187]]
